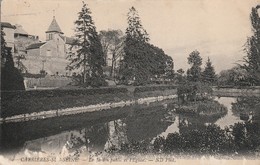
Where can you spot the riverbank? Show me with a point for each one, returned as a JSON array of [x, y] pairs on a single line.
[[237, 91], [26, 102], [49, 103]]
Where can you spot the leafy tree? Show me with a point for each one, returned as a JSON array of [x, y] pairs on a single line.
[[194, 73], [4, 52], [235, 76], [141, 61], [180, 77], [88, 58], [19, 57], [209, 75], [252, 48], [11, 78], [112, 43]]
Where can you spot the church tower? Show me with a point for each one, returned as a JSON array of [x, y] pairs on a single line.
[[53, 30]]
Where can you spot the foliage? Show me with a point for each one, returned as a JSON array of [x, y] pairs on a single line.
[[194, 73], [247, 105], [252, 48], [242, 139], [141, 61], [179, 76], [112, 43], [11, 78], [154, 88], [22, 102], [211, 108], [88, 58], [209, 75], [236, 76], [4, 49], [193, 91], [21, 67], [135, 28]]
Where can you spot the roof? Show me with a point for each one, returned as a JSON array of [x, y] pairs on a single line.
[[35, 45], [69, 40], [54, 27], [19, 30], [7, 25]]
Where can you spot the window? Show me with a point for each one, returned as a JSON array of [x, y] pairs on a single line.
[[50, 36], [48, 54]]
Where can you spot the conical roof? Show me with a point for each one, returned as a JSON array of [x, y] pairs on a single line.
[[54, 27]]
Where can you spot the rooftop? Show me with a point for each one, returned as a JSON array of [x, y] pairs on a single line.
[[54, 27], [7, 25], [35, 45], [19, 30]]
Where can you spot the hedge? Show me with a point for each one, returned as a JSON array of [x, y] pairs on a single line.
[[154, 88], [7, 96]]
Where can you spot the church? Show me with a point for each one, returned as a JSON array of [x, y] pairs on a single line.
[[49, 56]]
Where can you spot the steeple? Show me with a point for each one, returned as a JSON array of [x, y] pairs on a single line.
[[53, 30], [54, 27]]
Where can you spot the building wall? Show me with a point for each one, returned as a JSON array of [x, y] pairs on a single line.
[[54, 48], [33, 61], [51, 57], [9, 37], [33, 53], [21, 42]]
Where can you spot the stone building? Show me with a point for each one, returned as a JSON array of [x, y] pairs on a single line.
[[22, 40], [50, 55]]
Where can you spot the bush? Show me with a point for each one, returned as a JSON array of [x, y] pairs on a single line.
[[11, 79], [242, 138], [154, 88], [7, 96], [211, 107]]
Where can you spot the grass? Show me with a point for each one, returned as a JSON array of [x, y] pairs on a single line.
[[202, 108], [48, 100]]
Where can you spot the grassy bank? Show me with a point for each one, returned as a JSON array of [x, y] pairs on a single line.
[[202, 108], [22, 102]]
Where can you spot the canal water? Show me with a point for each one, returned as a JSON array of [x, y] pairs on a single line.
[[102, 130]]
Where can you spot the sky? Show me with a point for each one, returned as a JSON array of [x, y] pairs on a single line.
[[217, 29]]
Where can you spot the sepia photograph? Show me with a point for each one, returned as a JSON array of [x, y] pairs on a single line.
[[130, 82]]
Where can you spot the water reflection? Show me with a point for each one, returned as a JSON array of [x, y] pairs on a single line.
[[230, 118], [99, 131]]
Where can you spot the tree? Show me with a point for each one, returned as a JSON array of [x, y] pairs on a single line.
[[194, 73], [19, 57], [112, 43], [209, 75], [235, 76], [179, 75], [11, 78], [135, 29], [88, 58], [141, 61], [252, 48]]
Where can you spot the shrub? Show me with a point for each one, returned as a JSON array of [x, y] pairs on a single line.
[[7, 96], [154, 88]]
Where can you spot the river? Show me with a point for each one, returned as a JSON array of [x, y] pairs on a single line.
[[102, 130]]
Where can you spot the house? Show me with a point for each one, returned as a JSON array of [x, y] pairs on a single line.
[[22, 40]]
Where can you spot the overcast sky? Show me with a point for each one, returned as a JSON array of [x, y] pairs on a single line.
[[218, 29]]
